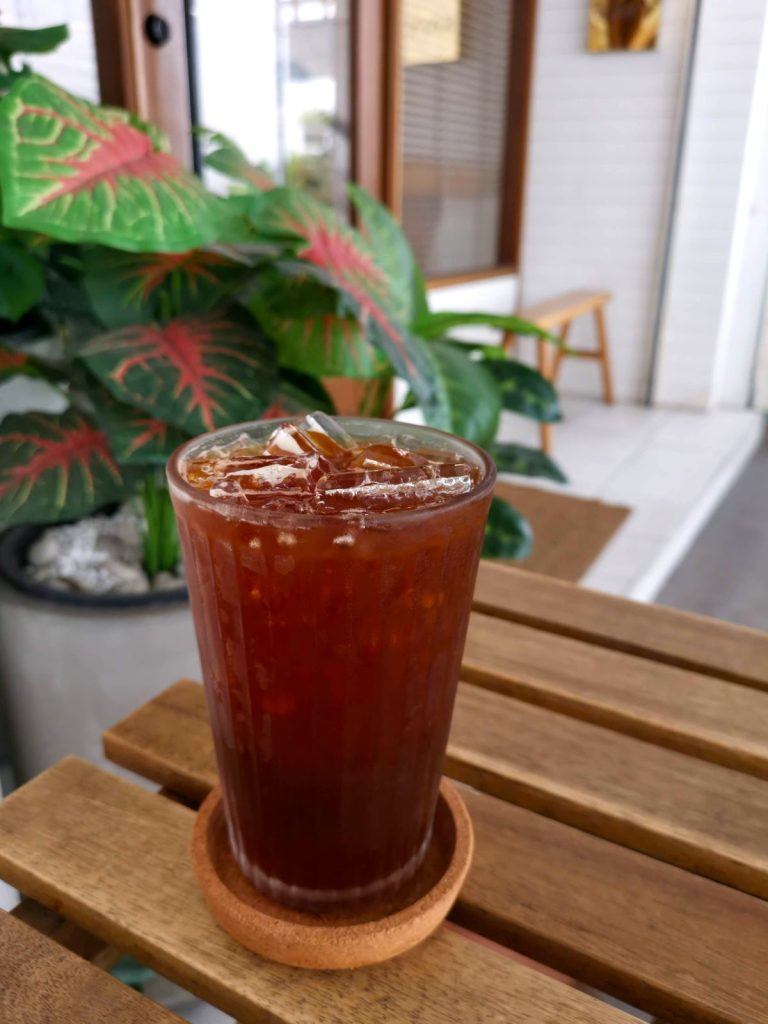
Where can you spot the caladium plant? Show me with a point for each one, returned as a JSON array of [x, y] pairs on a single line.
[[161, 310]]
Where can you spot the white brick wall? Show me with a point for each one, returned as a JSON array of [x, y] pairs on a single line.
[[603, 131], [720, 231]]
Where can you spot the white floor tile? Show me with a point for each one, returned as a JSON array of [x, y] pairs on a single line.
[[671, 467]]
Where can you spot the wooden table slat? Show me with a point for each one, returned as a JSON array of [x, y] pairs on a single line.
[[651, 631], [43, 983], [114, 858], [673, 707], [66, 934], [698, 815], [668, 941]]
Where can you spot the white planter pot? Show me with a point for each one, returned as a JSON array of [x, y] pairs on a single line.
[[68, 673]]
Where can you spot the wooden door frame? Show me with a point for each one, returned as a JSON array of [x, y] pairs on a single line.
[[154, 83], [150, 81]]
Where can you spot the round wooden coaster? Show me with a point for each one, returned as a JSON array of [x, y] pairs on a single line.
[[335, 939]]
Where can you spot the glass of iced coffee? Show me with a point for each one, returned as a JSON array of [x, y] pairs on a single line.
[[331, 564]]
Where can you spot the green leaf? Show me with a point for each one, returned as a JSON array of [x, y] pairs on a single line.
[[83, 173], [338, 257], [135, 438], [227, 158], [198, 372], [126, 288], [437, 325], [392, 252], [54, 467], [507, 533], [470, 395], [524, 461], [524, 390], [302, 315], [21, 280], [31, 40], [160, 542]]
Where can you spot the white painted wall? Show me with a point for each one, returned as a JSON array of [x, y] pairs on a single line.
[[719, 242], [73, 64], [602, 140]]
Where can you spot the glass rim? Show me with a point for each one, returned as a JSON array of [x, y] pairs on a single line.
[[253, 513]]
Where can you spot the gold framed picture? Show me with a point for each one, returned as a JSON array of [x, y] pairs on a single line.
[[623, 25]]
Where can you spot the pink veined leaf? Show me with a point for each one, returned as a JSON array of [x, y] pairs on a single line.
[[84, 173], [197, 373], [124, 287], [301, 314], [135, 437], [13, 363], [198, 266], [54, 467], [339, 257]]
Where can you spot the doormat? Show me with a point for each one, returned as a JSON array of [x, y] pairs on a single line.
[[568, 533]]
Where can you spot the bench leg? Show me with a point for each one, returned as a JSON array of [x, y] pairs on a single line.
[[604, 355], [545, 369], [559, 353]]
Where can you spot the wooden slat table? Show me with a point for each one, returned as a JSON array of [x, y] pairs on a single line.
[[614, 758]]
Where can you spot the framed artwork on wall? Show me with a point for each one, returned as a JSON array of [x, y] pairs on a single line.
[[623, 25]]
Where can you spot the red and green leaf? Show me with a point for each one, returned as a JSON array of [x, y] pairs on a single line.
[[83, 173], [54, 467], [128, 287], [135, 437], [393, 254], [303, 318], [339, 258], [197, 373], [14, 364]]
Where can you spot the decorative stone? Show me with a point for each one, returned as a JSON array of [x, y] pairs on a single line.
[[97, 555], [167, 581]]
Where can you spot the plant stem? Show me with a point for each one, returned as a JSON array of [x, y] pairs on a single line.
[[160, 541], [375, 400]]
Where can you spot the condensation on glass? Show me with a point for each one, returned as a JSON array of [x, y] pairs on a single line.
[[454, 126], [274, 76]]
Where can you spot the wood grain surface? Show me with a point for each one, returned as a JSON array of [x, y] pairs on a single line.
[[43, 983], [698, 714], [114, 858], [700, 816], [661, 634], [66, 934], [659, 937]]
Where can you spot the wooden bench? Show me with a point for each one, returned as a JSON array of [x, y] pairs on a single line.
[[556, 315]]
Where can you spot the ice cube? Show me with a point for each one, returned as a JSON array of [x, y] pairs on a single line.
[[392, 488], [289, 439], [382, 456], [322, 423], [317, 433]]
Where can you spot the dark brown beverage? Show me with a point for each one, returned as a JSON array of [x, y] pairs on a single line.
[[331, 567]]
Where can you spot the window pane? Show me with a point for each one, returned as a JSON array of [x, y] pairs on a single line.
[[274, 76], [454, 131]]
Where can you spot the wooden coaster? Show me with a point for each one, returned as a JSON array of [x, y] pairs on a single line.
[[338, 939]]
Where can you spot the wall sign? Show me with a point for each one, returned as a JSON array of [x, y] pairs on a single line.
[[431, 32], [623, 25]]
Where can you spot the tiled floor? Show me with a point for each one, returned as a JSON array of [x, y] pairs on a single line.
[[672, 468]]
